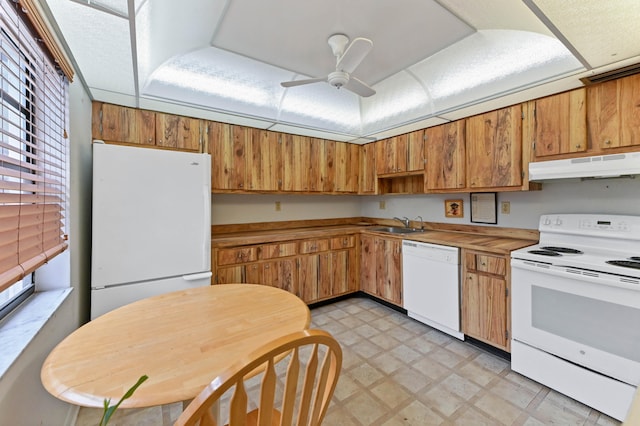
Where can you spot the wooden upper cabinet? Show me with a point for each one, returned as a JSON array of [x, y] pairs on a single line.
[[227, 146], [415, 151], [347, 159], [262, 161], [557, 124], [400, 154], [114, 123], [322, 165], [445, 153], [367, 172], [296, 163], [494, 149], [174, 131], [613, 113]]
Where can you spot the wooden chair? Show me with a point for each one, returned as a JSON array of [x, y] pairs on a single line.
[[306, 399]]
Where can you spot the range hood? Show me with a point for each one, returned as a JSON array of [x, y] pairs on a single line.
[[603, 166]]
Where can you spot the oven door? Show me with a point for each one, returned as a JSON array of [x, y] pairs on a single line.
[[573, 315]]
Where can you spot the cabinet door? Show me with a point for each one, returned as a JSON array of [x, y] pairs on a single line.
[[415, 151], [318, 165], [613, 113], [484, 309], [230, 275], [388, 270], [114, 123], [343, 272], [261, 157], [174, 131], [281, 273], [308, 280], [347, 161], [296, 162], [385, 157], [367, 173], [494, 149], [227, 145], [559, 124], [446, 157], [368, 264]]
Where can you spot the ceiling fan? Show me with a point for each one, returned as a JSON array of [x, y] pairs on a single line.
[[347, 60]]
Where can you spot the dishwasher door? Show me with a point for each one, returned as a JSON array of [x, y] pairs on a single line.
[[431, 285]]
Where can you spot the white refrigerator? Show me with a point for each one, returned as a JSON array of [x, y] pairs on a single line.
[[151, 223]]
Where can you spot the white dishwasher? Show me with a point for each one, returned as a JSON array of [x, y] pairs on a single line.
[[431, 285]]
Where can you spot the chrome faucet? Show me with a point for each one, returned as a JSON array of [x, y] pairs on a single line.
[[404, 220], [421, 222]]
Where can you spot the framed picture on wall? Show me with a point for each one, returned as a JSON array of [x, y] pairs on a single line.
[[453, 208], [484, 207]]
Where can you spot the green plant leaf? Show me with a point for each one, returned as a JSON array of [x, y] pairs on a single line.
[[109, 410]]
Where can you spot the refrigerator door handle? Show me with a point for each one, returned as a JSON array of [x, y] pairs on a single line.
[[200, 276]]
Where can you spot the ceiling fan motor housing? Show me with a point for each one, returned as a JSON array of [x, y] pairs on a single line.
[[338, 79]]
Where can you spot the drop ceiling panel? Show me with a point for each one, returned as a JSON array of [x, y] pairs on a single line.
[[100, 43], [293, 34], [603, 32]]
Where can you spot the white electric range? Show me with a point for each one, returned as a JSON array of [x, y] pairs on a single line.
[[576, 308]]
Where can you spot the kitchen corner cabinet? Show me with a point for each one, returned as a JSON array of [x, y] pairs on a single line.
[[381, 267], [556, 125], [312, 269], [613, 114], [494, 149], [486, 314], [445, 153]]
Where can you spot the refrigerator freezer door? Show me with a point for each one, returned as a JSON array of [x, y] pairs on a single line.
[[106, 299], [151, 214]]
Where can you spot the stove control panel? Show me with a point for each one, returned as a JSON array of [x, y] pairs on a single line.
[[603, 225]]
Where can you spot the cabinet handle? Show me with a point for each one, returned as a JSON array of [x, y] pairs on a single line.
[[607, 142], [578, 146]]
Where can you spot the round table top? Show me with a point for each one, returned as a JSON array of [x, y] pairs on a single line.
[[181, 340]]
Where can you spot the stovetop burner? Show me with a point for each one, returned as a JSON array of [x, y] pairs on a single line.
[[545, 252], [566, 250], [625, 263]]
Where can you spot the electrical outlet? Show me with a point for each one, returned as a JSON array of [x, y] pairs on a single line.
[[383, 205], [505, 207], [278, 208]]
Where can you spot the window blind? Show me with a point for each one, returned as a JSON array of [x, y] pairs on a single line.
[[33, 151]]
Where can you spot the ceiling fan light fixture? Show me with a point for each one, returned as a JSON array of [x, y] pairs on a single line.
[[338, 79]]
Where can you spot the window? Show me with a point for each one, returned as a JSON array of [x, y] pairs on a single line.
[[33, 157]]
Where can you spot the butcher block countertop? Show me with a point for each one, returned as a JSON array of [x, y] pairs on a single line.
[[489, 239]]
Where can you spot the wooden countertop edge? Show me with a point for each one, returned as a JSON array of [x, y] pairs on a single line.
[[499, 243]]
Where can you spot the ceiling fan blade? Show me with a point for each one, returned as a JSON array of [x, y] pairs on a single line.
[[355, 53], [301, 82], [359, 87]]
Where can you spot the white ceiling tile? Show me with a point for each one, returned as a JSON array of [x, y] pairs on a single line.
[[100, 43], [602, 31]]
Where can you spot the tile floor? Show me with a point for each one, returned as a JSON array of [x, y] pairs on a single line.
[[397, 371]]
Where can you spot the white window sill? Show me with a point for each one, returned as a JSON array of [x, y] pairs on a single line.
[[19, 328]]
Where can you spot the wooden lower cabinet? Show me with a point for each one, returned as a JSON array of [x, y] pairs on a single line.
[[381, 267], [485, 298], [314, 270]]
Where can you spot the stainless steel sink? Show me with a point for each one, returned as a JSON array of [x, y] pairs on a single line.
[[395, 230]]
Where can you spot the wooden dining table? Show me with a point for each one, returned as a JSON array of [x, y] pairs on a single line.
[[180, 340]]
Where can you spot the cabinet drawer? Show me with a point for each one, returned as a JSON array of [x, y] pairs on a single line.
[[496, 265], [313, 246], [271, 251], [236, 255], [346, 241]]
